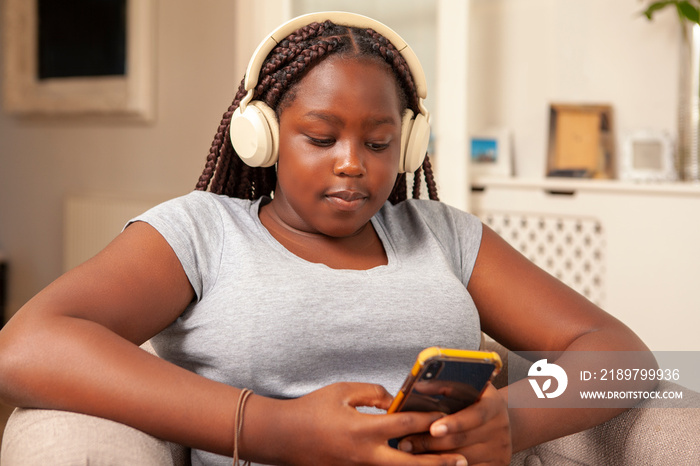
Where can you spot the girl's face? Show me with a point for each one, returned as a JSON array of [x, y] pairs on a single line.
[[339, 147]]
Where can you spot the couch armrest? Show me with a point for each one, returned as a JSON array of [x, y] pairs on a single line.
[[650, 433], [40, 437], [646, 434]]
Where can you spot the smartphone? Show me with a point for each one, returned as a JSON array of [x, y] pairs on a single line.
[[446, 380]]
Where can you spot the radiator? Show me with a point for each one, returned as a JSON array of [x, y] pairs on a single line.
[[92, 221], [570, 248]]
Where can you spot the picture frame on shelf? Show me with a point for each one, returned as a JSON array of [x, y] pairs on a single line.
[[581, 141], [59, 64], [647, 155], [490, 153]]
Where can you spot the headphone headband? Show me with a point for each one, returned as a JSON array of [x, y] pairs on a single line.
[[341, 18], [254, 129]]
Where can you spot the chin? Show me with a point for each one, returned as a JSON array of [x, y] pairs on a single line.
[[343, 228], [342, 232]]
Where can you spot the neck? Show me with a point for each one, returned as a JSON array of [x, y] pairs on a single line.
[[360, 251]]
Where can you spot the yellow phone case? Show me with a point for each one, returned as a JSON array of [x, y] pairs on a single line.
[[435, 353]]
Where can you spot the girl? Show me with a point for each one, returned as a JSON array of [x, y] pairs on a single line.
[[305, 276]]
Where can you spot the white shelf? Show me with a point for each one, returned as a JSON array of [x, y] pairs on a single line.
[[572, 185]]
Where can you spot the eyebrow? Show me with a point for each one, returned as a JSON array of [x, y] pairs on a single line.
[[324, 116], [372, 122]]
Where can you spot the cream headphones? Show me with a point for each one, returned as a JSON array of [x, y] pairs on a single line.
[[254, 127]]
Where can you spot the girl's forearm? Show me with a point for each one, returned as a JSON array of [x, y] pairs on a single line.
[[615, 346], [76, 365]]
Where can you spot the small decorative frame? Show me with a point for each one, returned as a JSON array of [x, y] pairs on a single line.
[[581, 141], [490, 153], [129, 95], [648, 156]]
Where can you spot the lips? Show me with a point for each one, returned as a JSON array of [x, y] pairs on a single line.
[[346, 199]]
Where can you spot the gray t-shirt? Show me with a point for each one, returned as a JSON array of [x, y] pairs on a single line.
[[267, 320]]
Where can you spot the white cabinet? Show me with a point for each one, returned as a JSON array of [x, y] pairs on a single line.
[[634, 249]]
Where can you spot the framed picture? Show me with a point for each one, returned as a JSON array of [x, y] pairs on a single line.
[[581, 141], [490, 153], [648, 156], [79, 57]]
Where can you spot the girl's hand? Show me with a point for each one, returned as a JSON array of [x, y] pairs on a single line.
[[480, 432], [324, 427]]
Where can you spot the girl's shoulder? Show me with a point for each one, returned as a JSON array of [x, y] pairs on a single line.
[[415, 222], [199, 226], [208, 199], [435, 215], [202, 217], [204, 204]]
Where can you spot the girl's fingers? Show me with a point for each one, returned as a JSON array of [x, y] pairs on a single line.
[[400, 425], [490, 405], [398, 458], [365, 394], [484, 423], [396, 425]]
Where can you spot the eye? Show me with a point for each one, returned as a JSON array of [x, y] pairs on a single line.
[[377, 146], [321, 142]]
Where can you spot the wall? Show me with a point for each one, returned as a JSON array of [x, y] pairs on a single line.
[[42, 161], [524, 54]]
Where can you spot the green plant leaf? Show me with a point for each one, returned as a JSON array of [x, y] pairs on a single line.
[[688, 11], [656, 6]]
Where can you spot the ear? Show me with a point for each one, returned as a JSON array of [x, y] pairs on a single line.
[[255, 134], [415, 135]]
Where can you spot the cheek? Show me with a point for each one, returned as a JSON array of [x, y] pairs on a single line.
[[386, 172], [295, 179], [290, 164], [291, 178]]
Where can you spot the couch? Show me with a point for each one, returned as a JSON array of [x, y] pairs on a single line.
[[645, 435]]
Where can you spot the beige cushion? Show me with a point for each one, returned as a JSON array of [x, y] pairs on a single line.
[[640, 436], [41, 437]]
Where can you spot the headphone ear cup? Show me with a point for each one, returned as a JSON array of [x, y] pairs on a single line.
[[415, 135], [255, 134]]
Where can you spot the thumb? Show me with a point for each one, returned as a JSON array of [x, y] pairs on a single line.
[[367, 394]]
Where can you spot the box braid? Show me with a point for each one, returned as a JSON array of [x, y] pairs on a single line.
[[225, 172]]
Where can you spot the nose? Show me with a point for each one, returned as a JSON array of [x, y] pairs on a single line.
[[349, 160]]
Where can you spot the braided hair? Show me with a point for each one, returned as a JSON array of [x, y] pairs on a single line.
[[225, 172]]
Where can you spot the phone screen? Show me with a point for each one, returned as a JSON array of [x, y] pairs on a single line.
[[448, 385]]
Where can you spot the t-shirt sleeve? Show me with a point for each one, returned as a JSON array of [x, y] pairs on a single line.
[[467, 230], [193, 228], [459, 233]]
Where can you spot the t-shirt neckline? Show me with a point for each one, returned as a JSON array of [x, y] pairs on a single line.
[[389, 249]]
